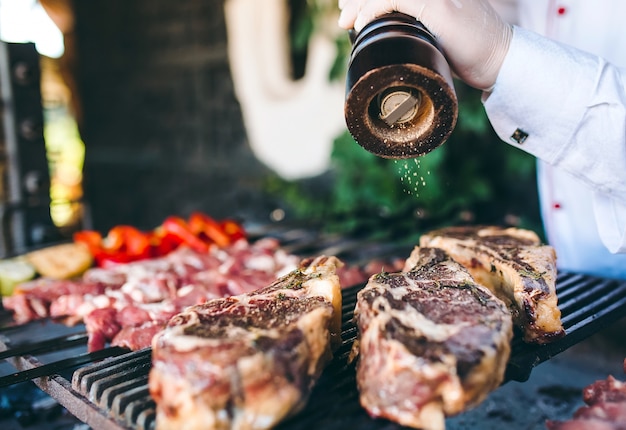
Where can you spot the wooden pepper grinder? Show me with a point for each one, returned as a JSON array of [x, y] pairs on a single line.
[[400, 98]]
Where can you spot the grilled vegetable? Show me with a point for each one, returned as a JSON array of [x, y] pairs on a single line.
[[61, 261], [124, 243], [12, 272]]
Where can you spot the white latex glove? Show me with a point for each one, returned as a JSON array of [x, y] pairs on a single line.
[[473, 37]]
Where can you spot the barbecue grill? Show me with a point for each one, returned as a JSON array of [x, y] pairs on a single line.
[[108, 389]]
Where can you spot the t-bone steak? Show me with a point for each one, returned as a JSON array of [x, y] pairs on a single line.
[[516, 266], [248, 361], [432, 342]]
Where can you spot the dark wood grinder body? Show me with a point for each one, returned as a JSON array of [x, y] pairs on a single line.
[[400, 98]]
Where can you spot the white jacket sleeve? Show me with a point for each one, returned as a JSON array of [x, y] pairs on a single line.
[[567, 108]]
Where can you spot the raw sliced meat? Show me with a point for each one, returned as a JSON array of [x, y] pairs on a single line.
[[131, 295]]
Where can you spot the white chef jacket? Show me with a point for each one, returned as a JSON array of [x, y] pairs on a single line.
[[568, 108]]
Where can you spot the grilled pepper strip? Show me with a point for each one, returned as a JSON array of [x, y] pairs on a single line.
[[162, 242], [124, 244], [204, 226], [233, 229], [92, 239], [178, 227]]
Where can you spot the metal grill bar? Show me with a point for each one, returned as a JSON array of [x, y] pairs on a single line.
[[55, 344], [119, 387], [58, 366]]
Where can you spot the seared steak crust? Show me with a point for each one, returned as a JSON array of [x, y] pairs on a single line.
[[513, 264], [248, 361], [431, 343]]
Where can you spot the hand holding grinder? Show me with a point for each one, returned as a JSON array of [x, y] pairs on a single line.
[[400, 100], [396, 55]]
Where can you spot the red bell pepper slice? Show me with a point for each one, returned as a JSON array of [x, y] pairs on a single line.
[[92, 239], [134, 242], [107, 259], [204, 226], [115, 239], [162, 242], [178, 227], [124, 244], [233, 229]]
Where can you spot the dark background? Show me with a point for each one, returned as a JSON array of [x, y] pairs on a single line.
[[162, 128]]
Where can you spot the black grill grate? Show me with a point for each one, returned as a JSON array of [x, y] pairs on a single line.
[[588, 304], [119, 386]]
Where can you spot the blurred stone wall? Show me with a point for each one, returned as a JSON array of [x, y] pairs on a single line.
[[162, 128]]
